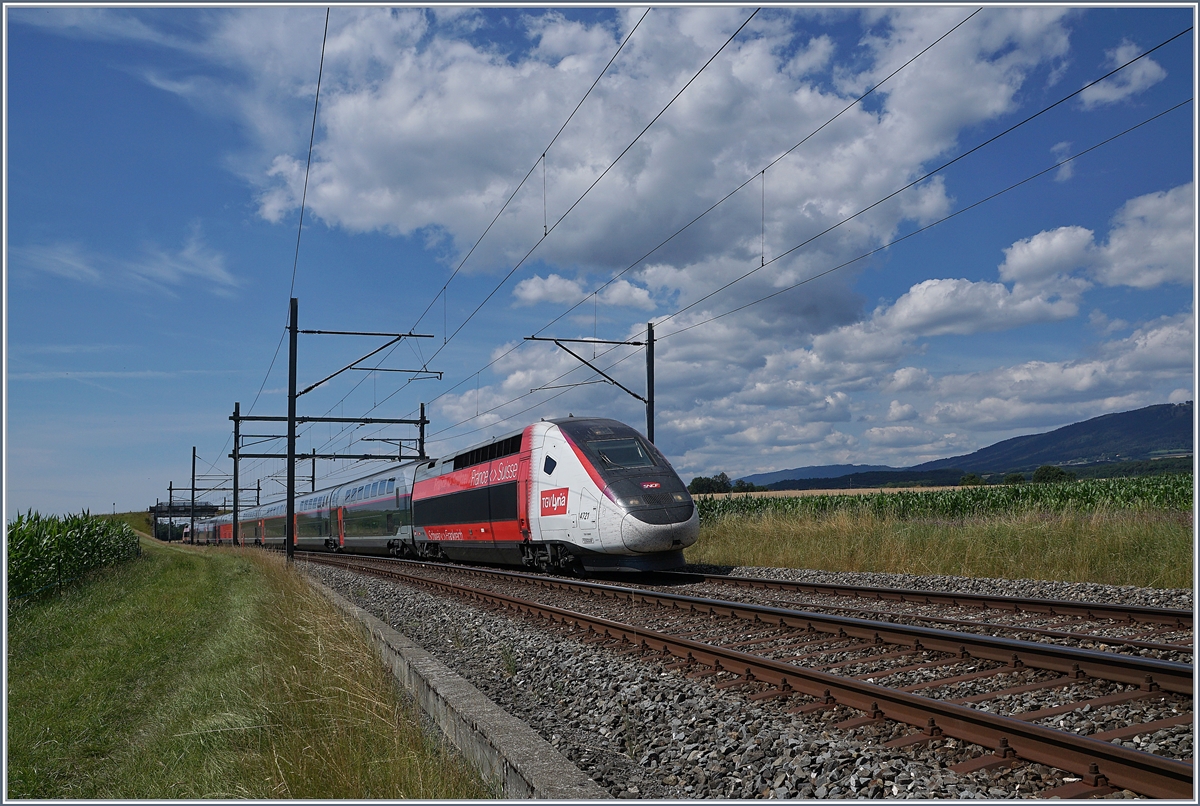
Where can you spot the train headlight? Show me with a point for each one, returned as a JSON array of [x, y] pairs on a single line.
[[680, 498], [631, 502]]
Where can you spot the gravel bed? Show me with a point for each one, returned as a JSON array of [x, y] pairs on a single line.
[[643, 731], [1177, 598]]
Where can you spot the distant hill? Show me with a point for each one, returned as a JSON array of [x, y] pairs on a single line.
[[812, 472], [1129, 435], [878, 478], [1122, 443]]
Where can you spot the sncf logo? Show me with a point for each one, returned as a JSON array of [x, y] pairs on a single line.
[[554, 502], [650, 485]]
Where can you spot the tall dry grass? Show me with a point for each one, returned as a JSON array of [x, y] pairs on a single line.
[[338, 727], [1114, 547], [209, 673]]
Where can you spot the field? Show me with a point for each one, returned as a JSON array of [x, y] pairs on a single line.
[[209, 673], [1135, 531], [46, 552]]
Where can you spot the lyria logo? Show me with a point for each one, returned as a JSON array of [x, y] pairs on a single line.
[[650, 485], [554, 502]]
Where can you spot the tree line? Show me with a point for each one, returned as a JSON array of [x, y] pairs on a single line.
[[721, 483]]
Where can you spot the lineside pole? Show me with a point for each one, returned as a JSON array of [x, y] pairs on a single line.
[[192, 528], [650, 382], [170, 508], [237, 431], [290, 527]]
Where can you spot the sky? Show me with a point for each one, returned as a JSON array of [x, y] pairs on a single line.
[[876, 291]]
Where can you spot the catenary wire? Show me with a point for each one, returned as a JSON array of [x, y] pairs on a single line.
[[873, 251], [959, 212], [762, 171], [590, 187], [581, 197], [727, 196], [542, 159], [935, 171], [940, 168], [918, 231]]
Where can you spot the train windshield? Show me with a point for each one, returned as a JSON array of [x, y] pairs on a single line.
[[622, 452]]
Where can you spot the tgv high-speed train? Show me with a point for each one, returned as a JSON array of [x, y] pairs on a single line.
[[571, 494]]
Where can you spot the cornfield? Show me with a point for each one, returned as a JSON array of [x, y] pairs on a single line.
[[49, 551], [1171, 493]]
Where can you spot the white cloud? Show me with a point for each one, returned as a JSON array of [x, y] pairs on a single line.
[[1152, 241], [1099, 320], [1047, 255], [900, 412], [194, 259], [554, 288], [908, 379], [1140, 75], [1033, 393], [1065, 171], [815, 55], [62, 260], [899, 436], [958, 306], [157, 267], [551, 288]]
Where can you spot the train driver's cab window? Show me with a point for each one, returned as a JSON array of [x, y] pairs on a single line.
[[622, 452]]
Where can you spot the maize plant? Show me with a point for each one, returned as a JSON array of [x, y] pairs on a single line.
[[48, 551], [1171, 493]]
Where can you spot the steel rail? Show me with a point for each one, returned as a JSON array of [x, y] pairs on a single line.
[[1111, 640], [1059, 607], [1130, 669], [1101, 762]]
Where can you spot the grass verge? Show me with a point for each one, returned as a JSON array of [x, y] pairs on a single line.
[[194, 673], [1114, 547]]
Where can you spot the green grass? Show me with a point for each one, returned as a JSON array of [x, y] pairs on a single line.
[[138, 521], [1146, 548], [193, 673]]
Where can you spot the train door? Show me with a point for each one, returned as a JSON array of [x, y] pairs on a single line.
[[589, 515], [339, 527], [523, 497]]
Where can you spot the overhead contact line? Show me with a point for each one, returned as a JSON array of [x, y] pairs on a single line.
[[560, 219], [905, 237], [935, 171], [479, 240], [542, 160], [978, 203], [762, 171]]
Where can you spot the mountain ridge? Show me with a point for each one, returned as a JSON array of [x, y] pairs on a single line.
[[1145, 433]]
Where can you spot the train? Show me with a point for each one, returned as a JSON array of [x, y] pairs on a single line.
[[575, 494]]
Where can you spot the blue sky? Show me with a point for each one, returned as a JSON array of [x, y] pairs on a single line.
[[156, 161]]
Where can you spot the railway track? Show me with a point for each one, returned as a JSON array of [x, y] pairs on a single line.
[[911, 674], [1119, 627]]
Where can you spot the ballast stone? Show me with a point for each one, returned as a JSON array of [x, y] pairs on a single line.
[[502, 747]]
